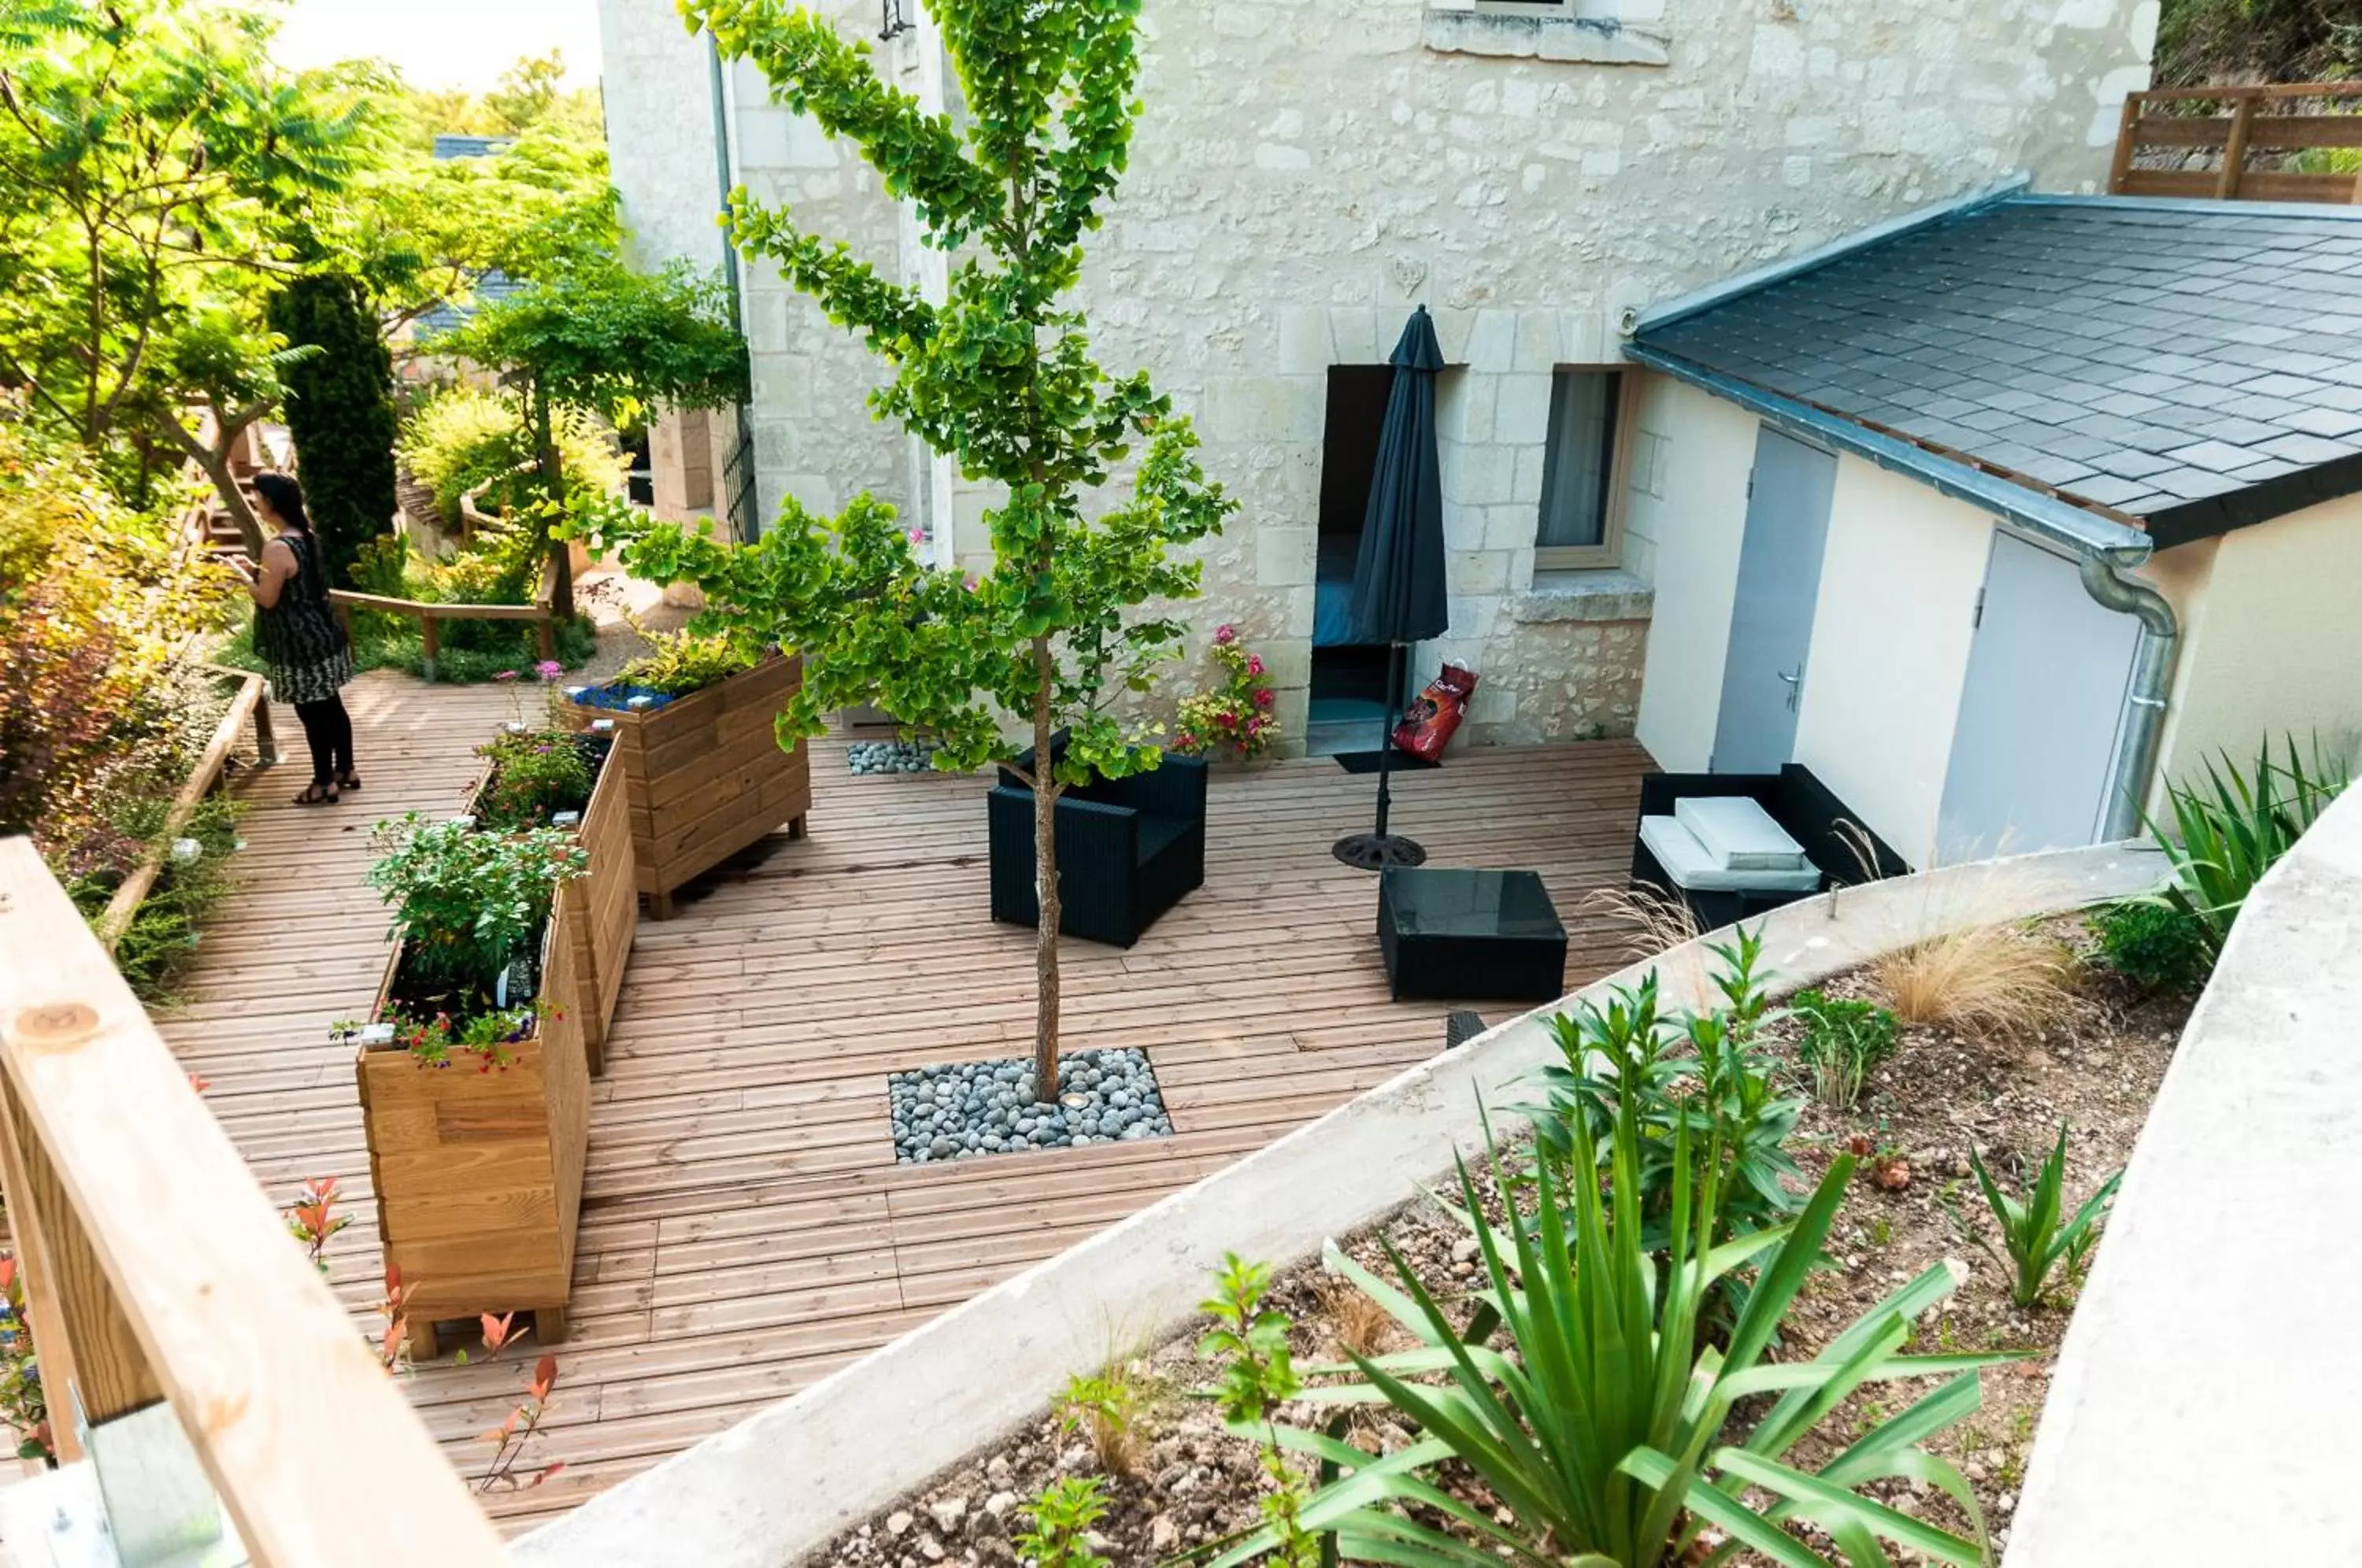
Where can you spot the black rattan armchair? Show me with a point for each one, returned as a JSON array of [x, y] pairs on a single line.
[[1128, 849]]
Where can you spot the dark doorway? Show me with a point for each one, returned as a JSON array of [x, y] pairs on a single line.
[[1349, 680]]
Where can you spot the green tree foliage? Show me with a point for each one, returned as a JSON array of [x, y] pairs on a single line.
[[156, 175], [599, 338], [2205, 42], [999, 377], [340, 411], [420, 231]]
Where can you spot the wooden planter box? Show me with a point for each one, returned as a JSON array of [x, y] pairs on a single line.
[[597, 914], [479, 1175], [705, 775]]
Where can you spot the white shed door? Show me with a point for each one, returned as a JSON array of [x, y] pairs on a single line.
[[2047, 673], [1788, 498]]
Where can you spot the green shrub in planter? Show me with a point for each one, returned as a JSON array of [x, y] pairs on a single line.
[[2157, 946]]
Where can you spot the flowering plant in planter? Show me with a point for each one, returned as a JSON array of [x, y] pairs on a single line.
[[469, 903], [533, 777], [1236, 717]]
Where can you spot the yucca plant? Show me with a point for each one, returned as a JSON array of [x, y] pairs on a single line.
[[1582, 1401], [2033, 1234], [2227, 833]]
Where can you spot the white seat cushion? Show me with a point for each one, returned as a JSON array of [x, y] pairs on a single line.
[[1739, 834], [1691, 867]]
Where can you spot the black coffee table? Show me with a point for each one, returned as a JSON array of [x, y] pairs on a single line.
[[1476, 935]]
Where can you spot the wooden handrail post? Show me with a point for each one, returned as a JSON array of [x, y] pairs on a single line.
[[2128, 129], [169, 1275], [430, 645], [2235, 150], [111, 1377], [546, 639], [266, 734], [38, 1276]]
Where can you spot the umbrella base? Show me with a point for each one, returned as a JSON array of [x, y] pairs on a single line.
[[1376, 852]]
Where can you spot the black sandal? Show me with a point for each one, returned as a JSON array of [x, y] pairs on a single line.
[[348, 781], [314, 795]]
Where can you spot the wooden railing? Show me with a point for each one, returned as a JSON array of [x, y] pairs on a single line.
[[430, 617], [248, 705], [2259, 122], [157, 1271]]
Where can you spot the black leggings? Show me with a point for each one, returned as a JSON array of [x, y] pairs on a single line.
[[328, 731]]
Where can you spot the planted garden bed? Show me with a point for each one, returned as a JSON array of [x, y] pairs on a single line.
[[704, 773], [1144, 1468], [474, 1080], [551, 778]]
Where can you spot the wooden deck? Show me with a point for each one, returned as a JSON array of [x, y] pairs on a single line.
[[745, 1230]]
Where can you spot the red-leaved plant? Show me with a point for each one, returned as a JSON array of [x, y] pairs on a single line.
[[313, 1220]]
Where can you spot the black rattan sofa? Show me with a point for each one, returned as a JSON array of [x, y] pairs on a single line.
[[1128, 849], [1821, 825]]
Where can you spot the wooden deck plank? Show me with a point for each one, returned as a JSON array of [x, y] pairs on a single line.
[[744, 1230]]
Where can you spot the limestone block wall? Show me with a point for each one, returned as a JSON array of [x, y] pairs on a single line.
[[657, 93], [1307, 171]]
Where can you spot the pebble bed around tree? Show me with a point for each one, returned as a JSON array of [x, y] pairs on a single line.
[[969, 1109], [889, 757]]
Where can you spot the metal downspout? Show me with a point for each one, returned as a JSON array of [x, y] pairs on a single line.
[[2143, 717]]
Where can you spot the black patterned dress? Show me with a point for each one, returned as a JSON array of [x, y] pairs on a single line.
[[298, 637]]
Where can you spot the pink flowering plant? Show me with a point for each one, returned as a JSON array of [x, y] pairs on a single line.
[[1234, 719]]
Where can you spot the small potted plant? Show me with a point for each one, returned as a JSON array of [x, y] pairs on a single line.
[[475, 1089], [554, 778], [1233, 723], [695, 726]]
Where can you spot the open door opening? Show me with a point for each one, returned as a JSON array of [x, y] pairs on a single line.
[[1349, 679]]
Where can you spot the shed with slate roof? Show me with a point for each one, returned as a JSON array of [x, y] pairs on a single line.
[[1996, 515]]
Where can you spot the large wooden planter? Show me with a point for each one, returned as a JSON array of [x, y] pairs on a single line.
[[479, 1175], [597, 914], [705, 775]]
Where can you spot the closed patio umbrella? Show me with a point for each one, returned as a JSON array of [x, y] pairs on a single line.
[[1398, 582]]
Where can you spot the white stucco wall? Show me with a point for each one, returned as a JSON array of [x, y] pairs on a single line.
[[1890, 654], [1891, 627], [2273, 642], [1687, 518], [1304, 174]]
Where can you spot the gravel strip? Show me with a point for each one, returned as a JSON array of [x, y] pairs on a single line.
[[969, 1109], [889, 757]]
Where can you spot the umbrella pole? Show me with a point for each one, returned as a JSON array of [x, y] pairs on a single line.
[[1387, 735], [1377, 851]]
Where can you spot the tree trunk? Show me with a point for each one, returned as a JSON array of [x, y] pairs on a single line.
[[234, 502], [214, 461], [1046, 885], [553, 479]]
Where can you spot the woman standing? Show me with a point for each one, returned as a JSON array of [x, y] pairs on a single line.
[[300, 638]]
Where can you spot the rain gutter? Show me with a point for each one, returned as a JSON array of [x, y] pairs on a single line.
[[2104, 549]]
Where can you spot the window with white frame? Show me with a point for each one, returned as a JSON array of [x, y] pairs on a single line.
[[1581, 518]]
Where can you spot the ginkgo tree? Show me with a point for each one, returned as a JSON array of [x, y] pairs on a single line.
[[1099, 477]]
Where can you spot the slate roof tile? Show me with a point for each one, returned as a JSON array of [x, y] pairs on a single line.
[[2141, 355]]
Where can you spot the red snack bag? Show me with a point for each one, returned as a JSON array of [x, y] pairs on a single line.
[[1431, 722]]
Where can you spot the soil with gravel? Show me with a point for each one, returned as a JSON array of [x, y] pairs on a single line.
[[1177, 1481]]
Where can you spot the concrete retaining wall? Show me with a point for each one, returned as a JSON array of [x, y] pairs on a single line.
[[2203, 1407], [788, 1480]]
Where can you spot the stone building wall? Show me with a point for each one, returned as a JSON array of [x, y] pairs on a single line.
[[1309, 170]]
